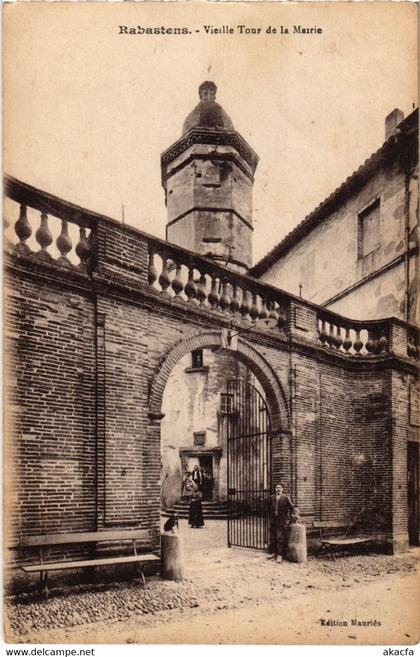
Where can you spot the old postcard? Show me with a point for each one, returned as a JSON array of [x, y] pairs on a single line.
[[211, 347]]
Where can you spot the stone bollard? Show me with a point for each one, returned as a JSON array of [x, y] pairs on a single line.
[[297, 543], [172, 557]]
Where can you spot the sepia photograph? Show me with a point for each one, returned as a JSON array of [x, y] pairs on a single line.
[[210, 324]]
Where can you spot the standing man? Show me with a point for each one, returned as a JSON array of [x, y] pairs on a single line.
[[281, 511]]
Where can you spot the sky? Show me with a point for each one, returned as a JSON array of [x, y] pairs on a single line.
[[88, 111]]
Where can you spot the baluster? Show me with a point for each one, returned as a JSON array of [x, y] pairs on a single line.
[[254, 312], [273, 314], [358, 344], [282, 318], [190, 288], [411, 347], [177, 284], [152, 271], [64, 244], [213, 297], [83, 250], [201, 292], [323, 335], [370, 343], [331, 336], [338, 338], [347, 341], [43, 235], [164, 279], [23, 229], [225, 299], [263, 311], [235, 305], [382, 342], [245, 305]]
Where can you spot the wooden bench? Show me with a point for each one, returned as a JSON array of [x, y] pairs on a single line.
[[335, 536], [46, 541]]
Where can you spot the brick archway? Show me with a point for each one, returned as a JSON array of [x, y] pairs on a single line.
[[247, 354]]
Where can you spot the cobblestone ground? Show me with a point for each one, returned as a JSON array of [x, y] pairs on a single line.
[[219, 581]]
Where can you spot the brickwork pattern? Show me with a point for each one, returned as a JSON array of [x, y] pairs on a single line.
[[87, 368], [399, 396], [50, 407], [343, 445]]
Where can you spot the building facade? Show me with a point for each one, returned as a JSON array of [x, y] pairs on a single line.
[[357, 252]]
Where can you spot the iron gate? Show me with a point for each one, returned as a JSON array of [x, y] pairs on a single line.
[[248, 465]]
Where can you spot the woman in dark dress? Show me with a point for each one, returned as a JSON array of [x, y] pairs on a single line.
[[196, 510]]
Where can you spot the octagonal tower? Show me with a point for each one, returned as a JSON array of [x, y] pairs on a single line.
[[208, 175]]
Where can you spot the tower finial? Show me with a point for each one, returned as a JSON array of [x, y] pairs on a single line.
[[207, 91]]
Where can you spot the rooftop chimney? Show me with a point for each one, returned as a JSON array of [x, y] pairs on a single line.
[[392, 121]]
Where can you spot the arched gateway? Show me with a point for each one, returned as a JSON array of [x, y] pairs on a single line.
[[247, 354], [254, 428]]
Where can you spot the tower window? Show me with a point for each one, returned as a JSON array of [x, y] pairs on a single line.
[[197, 360], [212, 228], [211, 175], [368, 229]]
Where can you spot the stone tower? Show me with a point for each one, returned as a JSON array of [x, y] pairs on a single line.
[[208, 176]]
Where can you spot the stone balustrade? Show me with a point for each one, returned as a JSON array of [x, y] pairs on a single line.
[[356, 338], [191, 279], [39, 227], [46, 228]]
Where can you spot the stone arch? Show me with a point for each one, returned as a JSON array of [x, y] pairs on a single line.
[[247, 354]]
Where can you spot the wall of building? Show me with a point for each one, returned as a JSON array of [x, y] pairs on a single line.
[[382, 296], [343, 445], [85, 447], [191, 232], [328, 261], [50, 465], [133, 341]]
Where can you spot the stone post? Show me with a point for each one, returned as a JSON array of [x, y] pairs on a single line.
[[172, 557], [297, 543]]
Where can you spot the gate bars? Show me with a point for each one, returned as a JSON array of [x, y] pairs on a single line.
[[248, 465]]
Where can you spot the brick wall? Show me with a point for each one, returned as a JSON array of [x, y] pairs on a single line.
[[343, 439], [399, 391], [83, 355], [50, 407]]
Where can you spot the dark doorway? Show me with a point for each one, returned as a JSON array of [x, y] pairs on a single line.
[[249, 466], [413, 492], [206, 467]]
